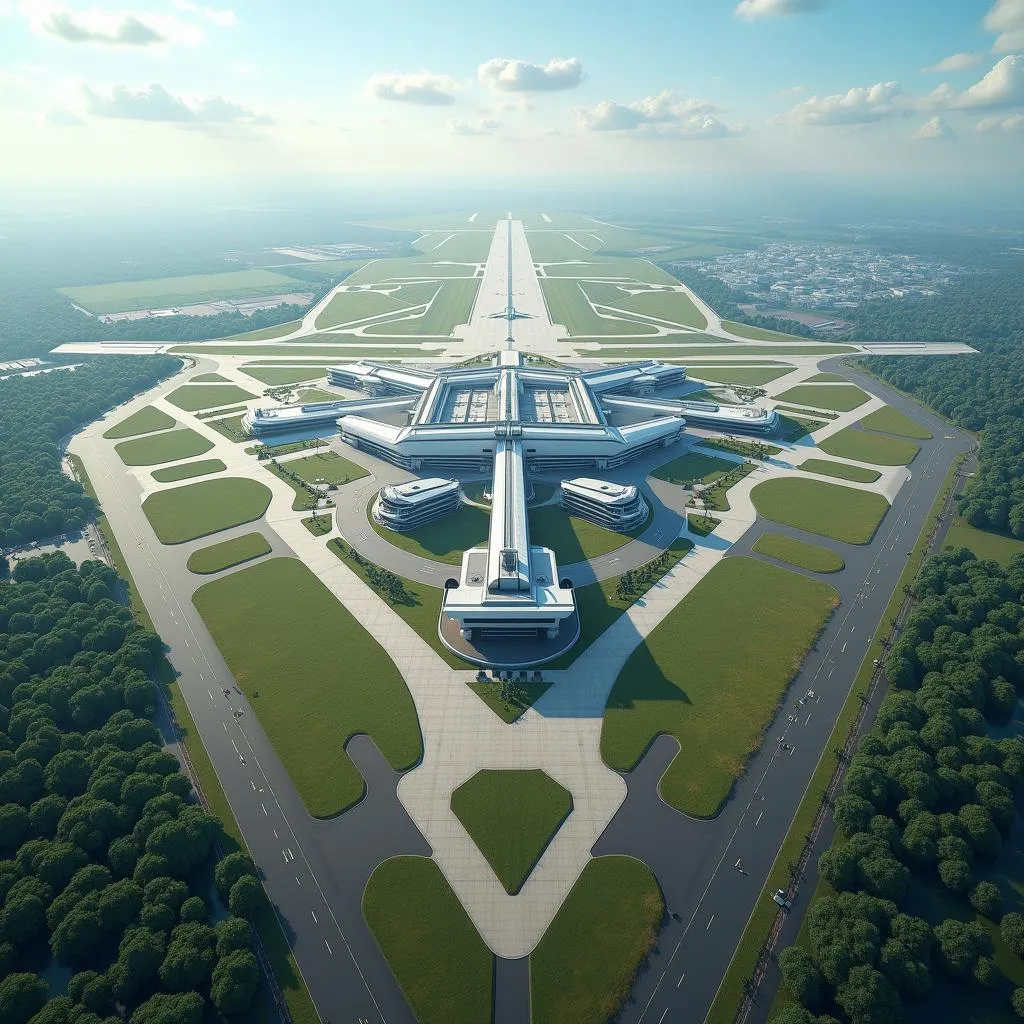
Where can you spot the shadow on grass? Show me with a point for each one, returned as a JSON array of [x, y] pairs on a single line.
[[641, 680]]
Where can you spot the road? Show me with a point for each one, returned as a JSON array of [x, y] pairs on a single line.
[[694, 861]]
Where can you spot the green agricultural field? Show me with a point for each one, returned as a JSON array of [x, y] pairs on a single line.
[[348, 307], [717, 692], [840, 470], [838, 397], [512, 816], [984, 543], [567, 305], [798, 553], [573, 539], [269, 333], [313, 675], [196, 510], [863, 446], [221, 556], [757, 333], [672, 306], [452, 307], [167, 446], [443, 540], [829, 510], [891, 421], [693, 466], [276, 376], [191, 397], [443, 967], [583, 968], [597, 268], [745, 376], [145, 421], [124, 296], [187, 470]]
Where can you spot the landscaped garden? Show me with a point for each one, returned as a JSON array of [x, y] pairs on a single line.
[[830, 510], [195, 510]]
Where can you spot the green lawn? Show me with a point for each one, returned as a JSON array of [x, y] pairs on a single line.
[[512, 816], [838, 397], [840, 470], [676, 307], [551, 246], [572, 539], [984, 543], [276, 376], [327, 466], [313, 675], [347, 307], [207, 396], [693, 466], [519, 697], [443, 540], [145, 421], [452, 306], [583, 968], [567, 305], [827, 378], [209, 378], [187, 470], [723, 348], [308, 396], [597, 267], [891, 421], [333, 350], [863, 446], [268, 333], [717, 692], [228, 553], [792, 428], [231, 428], [830, 510], [442, 965], [757, 333], [163, 292], [462, 247], [167, 446], [196, 510], [746, 376], [798, 552]]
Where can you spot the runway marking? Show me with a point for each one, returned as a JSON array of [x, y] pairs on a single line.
[[331, 951], [663, 1016], [264, 806], [759, 817], [708, 925], [185, 638], [315, 921], [680, 981], [297, 882], [235, 745], [792, 751], [808, 718], [253, 784], [210, 692], [276, 836], [225, 726], [842, 650]]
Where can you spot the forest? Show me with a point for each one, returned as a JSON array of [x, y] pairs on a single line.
[[106, 863], [914, 907], [37, 499]]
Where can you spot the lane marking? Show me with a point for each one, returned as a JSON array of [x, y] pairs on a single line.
[[759, 817], [708, 925], [680, 981], [315, 921], [663, 1016]]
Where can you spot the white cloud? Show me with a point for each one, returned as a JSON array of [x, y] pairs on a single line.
[[776, 8], [1007, 19], [221, 17], [482, 126], [108, 28], [510, 75], [421, 87], [1003, 86], [1008, 125], [666, 107], [62, 117], [855, 106], [793, 90], [954, 62], [933, 128], [155, 103]]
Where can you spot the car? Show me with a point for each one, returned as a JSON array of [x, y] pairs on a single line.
[[782, 899]]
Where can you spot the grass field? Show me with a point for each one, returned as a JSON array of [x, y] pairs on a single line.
[[724, 349], [598, 268], [827, 378], [756, 333], [167, 446], [512, 816], [408, 267], [573, 539], [584, 966], [452, 306], [984, 543], [549, 246], [460, 246], [269, 333], [231, 428], [840, 470], [207, 396], [798, 553], [567, 305], [746, 376], [228, 553], [145, 421], [161, 292], [313, 675], [675, 307], [208, 378], [348, 307], [187, 470], [891, 421], [792, 428], [863, 446], [443, 540], [520, 697], [717, 692], [830, 510], [196, 510], [332, 351], [326, 466], [309, 395], [693, 466], [276, 376], [442, 965], [838, 397]]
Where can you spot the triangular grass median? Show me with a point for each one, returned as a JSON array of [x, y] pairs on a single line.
[[512, 816]]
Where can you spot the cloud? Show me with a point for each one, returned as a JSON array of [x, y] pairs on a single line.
[[954, 62], [1007, 125], [855, 106], [751, 9], [1007, 19], [155, 103], [109, 28], [793, 90], [422, 87], [933, 128], [1003, 86], [510, 75], [62, 117], [666, 107], [221, 17], [482, 126]]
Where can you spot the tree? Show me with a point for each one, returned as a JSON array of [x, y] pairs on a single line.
[[134, 973], [233, 933], [794, 1015], [869, 998], [955, 875], [73, 942], [195, 909], [246, 897], [178, 1008], [987, 899], [21, 996], [230, 869], [852, 814], [1011, 928], [235, 980], [801, 975], [1017, 1001], [960, 945]]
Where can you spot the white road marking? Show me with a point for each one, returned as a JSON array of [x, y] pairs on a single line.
[[808, 718], [315, 921], [708, 925], [253, 784], [680, 981], [328, 945], [759, 817], [297, 882], [264, 806], [663, 1016]]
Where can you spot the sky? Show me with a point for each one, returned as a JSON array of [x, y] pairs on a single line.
[[161, 90]]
